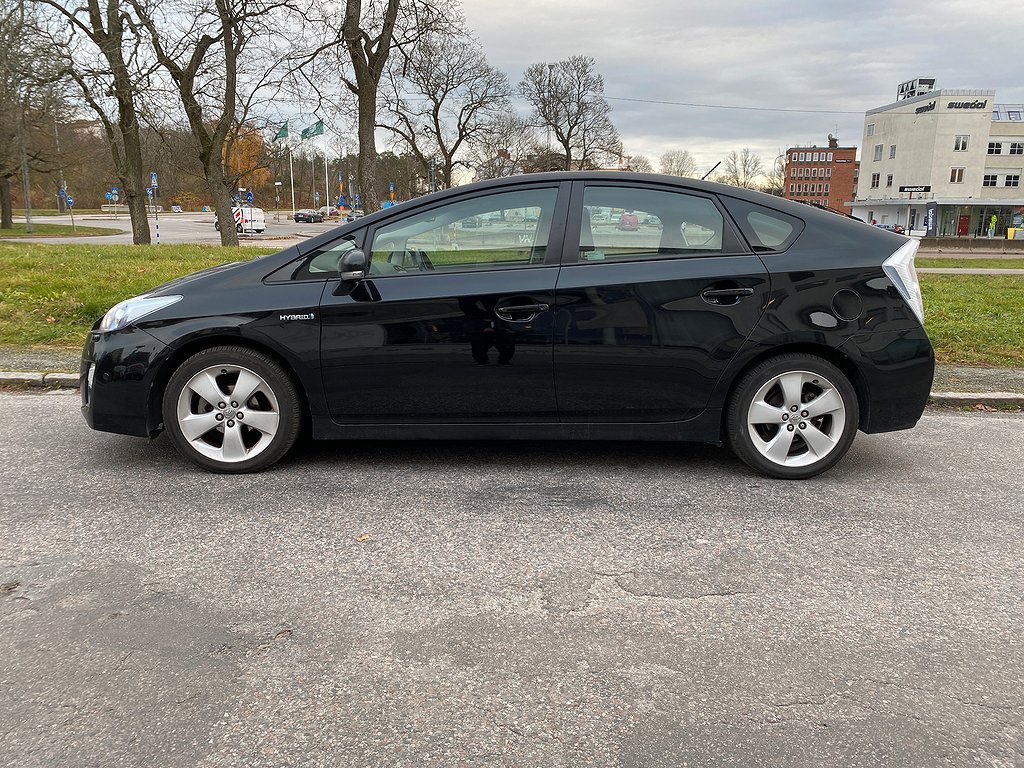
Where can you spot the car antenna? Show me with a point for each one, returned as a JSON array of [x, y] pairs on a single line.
[[711, 171]]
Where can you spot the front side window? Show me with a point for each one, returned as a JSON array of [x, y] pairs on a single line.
[[960, 143], [956, 175], [633, 223], [499, 231]]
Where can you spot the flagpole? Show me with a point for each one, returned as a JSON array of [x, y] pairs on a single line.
[[291, 173], [327, 186]]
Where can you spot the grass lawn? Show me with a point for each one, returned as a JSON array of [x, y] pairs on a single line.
[[50, 295], [63, 230], [956, 263], [975, 319]]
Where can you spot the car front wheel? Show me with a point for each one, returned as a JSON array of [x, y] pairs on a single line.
[[231, 410], [792, 416]]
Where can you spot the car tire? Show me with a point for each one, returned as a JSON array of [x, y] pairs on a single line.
[[216, 225], [226, 435], [792, 416], [238, 228]]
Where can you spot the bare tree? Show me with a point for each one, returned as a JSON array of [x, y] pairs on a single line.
[[201, 48], [640, 164], [101, 49], [775, 180], [442, 98], [742, 169], [679, 162], [506, 147], [568, 98]]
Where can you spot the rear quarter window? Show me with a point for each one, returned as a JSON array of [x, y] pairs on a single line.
[[765, 228]]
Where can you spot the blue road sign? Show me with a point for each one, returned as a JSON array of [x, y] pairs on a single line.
[[62, 192], [316, 196], [149, 191], [152, 179], [248, 197], [358, 205], [71, 201], [109, 195], [341, 200], [391, 186], [113, 190]]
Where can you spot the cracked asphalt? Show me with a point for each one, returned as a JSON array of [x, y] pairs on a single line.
[[518, 604]]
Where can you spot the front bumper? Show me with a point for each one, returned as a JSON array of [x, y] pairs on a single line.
[[116, 377]]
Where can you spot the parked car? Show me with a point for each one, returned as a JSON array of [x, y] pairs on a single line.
[[471, 222], [309, 216], [248, 218], [329, 211], [628, 222], [745, 319], [176, 209], [353, 215], [897, 228]]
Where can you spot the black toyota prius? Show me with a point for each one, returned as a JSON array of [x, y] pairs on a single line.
[[723, 315]]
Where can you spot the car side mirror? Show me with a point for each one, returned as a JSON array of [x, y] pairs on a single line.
[[353, 265]]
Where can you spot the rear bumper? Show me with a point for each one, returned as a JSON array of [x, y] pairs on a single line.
[[896, 369], [116, 377]]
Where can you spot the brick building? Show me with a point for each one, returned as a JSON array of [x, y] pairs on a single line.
[[825, 176]]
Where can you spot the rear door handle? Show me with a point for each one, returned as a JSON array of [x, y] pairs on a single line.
[[723, 295], [524, 313]]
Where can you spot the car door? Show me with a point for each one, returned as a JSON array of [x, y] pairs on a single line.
[[454, 322], [650, 317]]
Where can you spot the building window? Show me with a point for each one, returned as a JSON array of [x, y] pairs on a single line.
[[830, 157], [828, 173], [815, 158], [960, 144], [826, 188], [892, 151], [1012, 180], [878, 152], [1017, 148], [871, 129], [791, 189], [956, 175], [995, 148], [888, 180], [874, 180], [801, 157], [989, 180], [1013, 115], [814, 173], [995, 116]]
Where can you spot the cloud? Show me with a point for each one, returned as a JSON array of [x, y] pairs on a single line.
[[794, 55]]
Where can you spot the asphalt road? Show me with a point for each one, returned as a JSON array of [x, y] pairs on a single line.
[[548, 604]]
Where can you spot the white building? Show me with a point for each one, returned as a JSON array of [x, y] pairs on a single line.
[[944, 161]]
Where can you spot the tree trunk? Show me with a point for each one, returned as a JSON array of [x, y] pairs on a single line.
[[131, 174], [6, 212], [223, 205], [368, 148]]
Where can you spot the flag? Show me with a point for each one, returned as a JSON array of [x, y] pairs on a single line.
[[282, 132], [316, 129]]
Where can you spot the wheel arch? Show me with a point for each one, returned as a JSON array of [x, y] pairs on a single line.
[[191, 347], [827, 353]]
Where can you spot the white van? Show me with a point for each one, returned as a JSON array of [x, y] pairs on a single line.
[[248, 218]]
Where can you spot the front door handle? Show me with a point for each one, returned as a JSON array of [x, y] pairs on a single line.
[[524, 313], [725, 295]]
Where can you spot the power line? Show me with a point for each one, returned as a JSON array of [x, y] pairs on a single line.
[[726, 106]]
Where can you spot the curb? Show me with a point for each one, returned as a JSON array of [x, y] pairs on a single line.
[[956, 399]]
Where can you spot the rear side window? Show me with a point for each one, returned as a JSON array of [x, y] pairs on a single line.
[[765, 228]]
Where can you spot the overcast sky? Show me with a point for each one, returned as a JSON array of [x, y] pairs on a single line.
[[825, 55]]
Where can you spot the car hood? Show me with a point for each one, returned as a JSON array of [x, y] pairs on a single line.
[[175, 284]]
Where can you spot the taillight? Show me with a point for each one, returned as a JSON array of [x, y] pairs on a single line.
[[899, 268]]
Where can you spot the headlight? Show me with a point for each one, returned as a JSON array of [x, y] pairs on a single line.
[[130, 310]]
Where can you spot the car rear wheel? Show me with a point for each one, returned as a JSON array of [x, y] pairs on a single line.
[[792, 416], [232, 410]]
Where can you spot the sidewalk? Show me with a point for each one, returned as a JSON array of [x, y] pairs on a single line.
[[953, 385]]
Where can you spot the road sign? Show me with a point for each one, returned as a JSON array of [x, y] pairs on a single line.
[[248, 197], [316, 196], [109, 195], [113, 190], [341, 200], [391, 186], [62, 192], [152, 179], [71, 201], [149, 191]]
